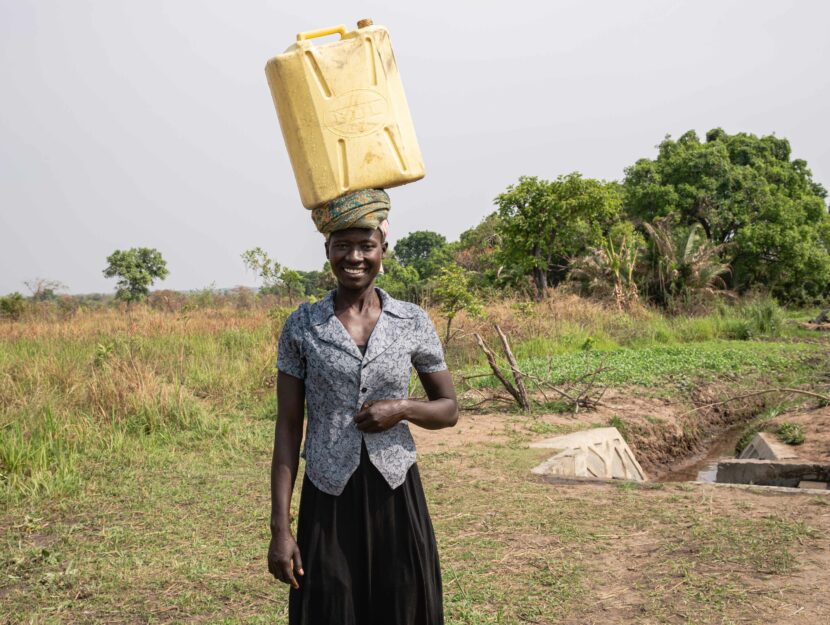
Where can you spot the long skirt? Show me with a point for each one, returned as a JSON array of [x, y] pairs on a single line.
[[369, 554]]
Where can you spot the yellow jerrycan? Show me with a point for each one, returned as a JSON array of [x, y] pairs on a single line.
[[343, 113]]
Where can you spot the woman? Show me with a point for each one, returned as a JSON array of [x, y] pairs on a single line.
[[365, 551]]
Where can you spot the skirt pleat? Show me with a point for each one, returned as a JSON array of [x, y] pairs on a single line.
[[369, 554]]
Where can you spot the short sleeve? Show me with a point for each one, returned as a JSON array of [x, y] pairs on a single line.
[[428, 353], [291, 356]]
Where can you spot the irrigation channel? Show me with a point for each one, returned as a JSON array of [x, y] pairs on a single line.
[[704, 467]]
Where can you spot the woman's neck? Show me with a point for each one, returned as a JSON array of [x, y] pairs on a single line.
[[359, 301]]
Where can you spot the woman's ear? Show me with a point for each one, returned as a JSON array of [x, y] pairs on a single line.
[[385, 247], [326, 245]]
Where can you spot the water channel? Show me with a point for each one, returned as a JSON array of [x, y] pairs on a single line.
[[704, 467]]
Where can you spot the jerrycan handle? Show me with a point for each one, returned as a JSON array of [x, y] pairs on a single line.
[[310, 34]]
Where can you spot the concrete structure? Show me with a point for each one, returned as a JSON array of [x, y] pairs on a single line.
[[764, 446], [599, 453], [771, 473]]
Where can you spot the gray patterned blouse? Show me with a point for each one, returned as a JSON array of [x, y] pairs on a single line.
[[315, 347]]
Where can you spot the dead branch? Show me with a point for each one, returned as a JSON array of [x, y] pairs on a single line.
[[495, 398], [823, 398], [514, 365], [491, 360]]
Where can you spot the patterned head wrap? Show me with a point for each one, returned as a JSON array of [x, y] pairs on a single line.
[[367, 208]]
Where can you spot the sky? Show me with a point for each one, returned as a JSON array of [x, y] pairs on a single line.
[[150, 124]]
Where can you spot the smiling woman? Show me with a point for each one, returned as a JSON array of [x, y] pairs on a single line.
[[365, 551]]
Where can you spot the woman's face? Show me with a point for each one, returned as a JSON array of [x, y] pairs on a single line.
[[355, 256]]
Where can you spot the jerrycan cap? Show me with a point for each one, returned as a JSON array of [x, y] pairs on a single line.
[[365, 22]]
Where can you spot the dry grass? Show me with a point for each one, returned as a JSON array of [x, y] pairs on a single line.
[[134, 460]]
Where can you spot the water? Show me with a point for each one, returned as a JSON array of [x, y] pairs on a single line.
[[704, 467]]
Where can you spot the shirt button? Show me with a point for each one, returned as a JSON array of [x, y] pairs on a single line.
[[364, 389]]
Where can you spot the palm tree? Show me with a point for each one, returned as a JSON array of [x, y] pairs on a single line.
[[685, 265], [609, 270]]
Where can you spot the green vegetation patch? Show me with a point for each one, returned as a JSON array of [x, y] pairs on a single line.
[[660, 363], [791, 433]]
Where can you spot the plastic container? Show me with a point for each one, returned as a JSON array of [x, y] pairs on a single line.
[[343, 114]]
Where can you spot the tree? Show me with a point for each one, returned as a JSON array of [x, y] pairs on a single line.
[[479, 250], [611, 268], [545, 223], [43, 289], [292, 280], [399, 281], [453, 293], [684, 265], [423, 250], [318, 283], [136, 270], [267, 269], [747, 191]]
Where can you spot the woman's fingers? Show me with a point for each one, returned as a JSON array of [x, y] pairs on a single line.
[[287, 573], [298, 561]]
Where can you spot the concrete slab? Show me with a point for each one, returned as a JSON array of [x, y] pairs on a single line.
[[813, 485], [765, 446], [598, 453], [771, 472]]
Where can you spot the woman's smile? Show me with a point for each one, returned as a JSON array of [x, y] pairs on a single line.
[[356, 255]]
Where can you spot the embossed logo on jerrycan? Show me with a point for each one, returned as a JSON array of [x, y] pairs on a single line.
[[343, 114]]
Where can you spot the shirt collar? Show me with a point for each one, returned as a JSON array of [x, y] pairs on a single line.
[[323, 310]]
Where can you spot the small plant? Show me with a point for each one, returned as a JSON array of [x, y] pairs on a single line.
[[617, 422], [791, 433]]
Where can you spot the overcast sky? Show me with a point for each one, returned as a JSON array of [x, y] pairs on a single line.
[[126, 124]]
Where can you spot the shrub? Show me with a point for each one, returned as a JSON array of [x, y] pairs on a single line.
[[11, 306], [791, 433], [764, 316], [735, 329]]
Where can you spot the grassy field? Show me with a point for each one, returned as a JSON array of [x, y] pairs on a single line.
[[135, 452]]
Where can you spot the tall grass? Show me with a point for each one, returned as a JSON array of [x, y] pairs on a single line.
[[75, 389], [99, 384]]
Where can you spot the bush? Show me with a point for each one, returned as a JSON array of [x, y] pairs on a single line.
[[11, 306], [735, 329], [764, 316], [791, 433]]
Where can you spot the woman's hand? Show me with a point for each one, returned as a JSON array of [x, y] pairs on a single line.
[[284, 559], [380, 415]]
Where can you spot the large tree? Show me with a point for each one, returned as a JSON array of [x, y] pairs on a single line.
[[136, 270], [423, 250], [746, 191], [543, 224]]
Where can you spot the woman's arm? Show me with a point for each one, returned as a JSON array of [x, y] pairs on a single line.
[[440, 411], [283, 554]]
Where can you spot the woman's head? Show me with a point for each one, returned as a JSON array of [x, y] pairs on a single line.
[[356, 255]]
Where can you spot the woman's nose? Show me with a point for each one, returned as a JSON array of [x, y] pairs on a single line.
[[354, 255]]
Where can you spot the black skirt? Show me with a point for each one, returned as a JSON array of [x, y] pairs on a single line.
[[369, 554]]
